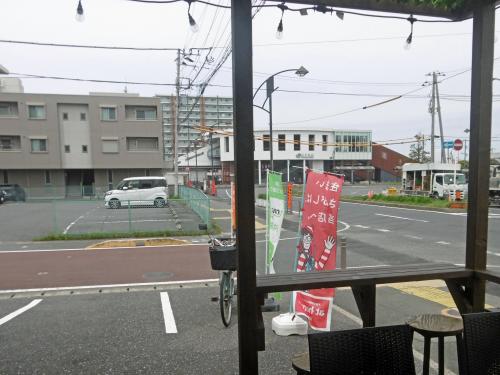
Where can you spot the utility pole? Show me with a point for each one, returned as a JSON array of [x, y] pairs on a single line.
[[177, 121], [434, 79], [432, 110]]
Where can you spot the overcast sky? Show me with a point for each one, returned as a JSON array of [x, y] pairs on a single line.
[[360, 56]]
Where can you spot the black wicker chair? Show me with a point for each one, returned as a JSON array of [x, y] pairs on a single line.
[[482, 343], [377, 350]]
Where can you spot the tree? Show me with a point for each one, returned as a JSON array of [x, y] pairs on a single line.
[[417, 150]]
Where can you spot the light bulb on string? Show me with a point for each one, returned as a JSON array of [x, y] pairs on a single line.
[[192, 23], [279, 30], [340, 14], [409, 40], [80, 17]]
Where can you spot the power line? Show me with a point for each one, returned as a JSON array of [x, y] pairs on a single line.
[[23, 75], [95, 46]]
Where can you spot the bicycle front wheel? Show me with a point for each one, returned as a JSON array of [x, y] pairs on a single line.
[[226, 297]]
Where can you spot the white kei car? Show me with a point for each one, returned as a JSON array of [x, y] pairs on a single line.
[[138, 191]]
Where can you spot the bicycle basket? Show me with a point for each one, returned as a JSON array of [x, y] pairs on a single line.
[[223, 258]]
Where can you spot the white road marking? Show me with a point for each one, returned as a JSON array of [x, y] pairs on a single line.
[[346, 226], [413, 237], [408, 209], [168, 314], [434, 365], [71, 224], [20, 311], [86, 249], [492, 253], [383, 230], [229, 195], [362, 226], [443, 243], [281, 239], [403, 218]]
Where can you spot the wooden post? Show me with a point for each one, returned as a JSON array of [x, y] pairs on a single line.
[[480, 140], [241, 25]]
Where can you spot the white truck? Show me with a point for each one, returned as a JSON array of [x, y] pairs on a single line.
[[436, 180], [494, 185]]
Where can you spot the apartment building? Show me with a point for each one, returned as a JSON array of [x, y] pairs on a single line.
[[77, 145], [294, 150], [212, 112]]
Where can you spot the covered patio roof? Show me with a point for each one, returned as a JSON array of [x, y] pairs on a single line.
[[451, 9], [467, 285]]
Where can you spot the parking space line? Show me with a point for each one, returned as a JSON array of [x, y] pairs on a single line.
[[20, 311], [168, 314], [71, 224]]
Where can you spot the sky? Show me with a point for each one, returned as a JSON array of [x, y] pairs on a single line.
[[352, 63]]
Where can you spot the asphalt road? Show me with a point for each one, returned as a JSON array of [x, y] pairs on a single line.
[[137, 333], [126, 332]]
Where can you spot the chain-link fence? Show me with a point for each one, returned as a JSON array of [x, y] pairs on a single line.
[[197, 201], [88, 219]]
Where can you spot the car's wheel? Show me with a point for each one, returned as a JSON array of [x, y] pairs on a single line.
[[159, 202], [114, 203], [435, 195]]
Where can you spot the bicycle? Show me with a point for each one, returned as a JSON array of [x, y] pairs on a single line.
[[223, 258]]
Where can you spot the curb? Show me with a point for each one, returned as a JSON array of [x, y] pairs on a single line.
[[101, 289], [110, 244]]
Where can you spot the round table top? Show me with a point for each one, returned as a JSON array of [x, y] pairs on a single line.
[[300, 362], [437, 324]]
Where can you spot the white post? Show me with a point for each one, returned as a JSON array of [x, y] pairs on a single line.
[[260, 174], [304, 172]]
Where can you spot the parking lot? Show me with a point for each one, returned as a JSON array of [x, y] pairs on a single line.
[[25, 221]]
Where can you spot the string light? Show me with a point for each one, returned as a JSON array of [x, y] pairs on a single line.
[[192, 22], [80, 17], [279, 30], [412, 20]]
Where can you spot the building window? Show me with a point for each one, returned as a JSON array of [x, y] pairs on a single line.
[[281, 142], [10, 143], [265, 142], [36, 112], [65, 116], [311, 142], [108, 113], [324, 143], [38, 145], [85, 149], [8, 109], [147, 172], [5, 177], [142, 144], [140, 113], [226, 144], [110, 146], [48, 178], [296, 142], [67, 149], [83, 116], [338, 143]]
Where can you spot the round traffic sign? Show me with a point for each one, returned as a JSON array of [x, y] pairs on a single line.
[[458, 144]]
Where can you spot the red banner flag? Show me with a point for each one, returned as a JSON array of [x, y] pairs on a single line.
[[317, 247]]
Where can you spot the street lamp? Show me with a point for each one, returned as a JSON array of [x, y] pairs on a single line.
[[301, 72]]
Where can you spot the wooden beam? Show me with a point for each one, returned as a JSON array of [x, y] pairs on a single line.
[[457, 291], [480, 143], [241, 27], [365, 299], [392, 6]]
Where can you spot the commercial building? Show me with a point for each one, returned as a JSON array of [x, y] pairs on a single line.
[[341, 151], [77, 145], [213, 112]]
